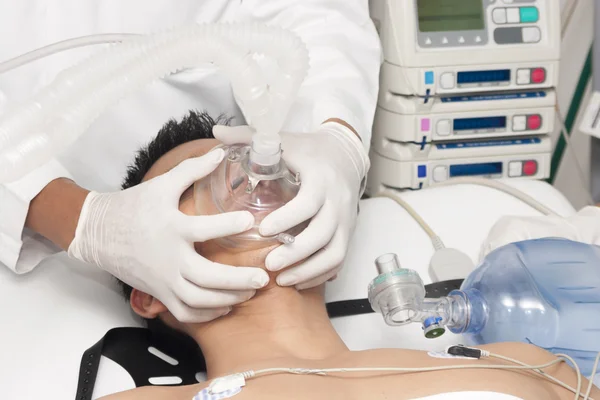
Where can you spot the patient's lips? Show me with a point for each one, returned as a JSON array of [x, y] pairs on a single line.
[[229, 188]]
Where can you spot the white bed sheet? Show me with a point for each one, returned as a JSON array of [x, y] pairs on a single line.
[[54, 314]]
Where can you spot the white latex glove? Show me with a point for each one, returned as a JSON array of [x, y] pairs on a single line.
[[581, 227], [140, 236], [332, 163]]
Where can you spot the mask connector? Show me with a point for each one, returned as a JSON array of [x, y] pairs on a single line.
[[396, 293], [399, 295]]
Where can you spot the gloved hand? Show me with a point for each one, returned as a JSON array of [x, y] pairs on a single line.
[[140, 236], [582, 227], [332, 163]]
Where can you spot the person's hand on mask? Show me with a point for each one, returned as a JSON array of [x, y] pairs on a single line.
[[332, 164], [582, 227], [140, 236]]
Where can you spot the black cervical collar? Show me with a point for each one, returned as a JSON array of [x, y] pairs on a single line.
[[128, 347]]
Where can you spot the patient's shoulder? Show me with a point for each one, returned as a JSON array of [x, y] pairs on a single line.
[[158, 393], [133, 394]]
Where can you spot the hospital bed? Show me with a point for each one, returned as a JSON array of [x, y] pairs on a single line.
[[51, 316]]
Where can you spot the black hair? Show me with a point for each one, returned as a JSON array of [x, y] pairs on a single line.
[[195, 125]]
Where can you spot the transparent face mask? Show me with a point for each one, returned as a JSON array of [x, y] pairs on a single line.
[[238, 185]]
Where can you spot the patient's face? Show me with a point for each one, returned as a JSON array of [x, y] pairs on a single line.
[[210, 250]]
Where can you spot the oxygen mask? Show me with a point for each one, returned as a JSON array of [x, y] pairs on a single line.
[[248, 180]]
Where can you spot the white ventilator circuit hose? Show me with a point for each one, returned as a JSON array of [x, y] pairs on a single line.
[[82, 41], [36, 131]]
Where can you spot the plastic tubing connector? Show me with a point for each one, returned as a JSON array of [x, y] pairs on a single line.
[[265, 149]]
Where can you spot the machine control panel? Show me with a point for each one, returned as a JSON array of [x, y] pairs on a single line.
[[495, 124], [451, 118], [489, 78], [516, 169], [458, 46], [453, 23], [526, 76], [410, 166], [522, 168], [515, 15], [391, 174]]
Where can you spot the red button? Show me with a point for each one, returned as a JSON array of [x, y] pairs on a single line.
[[538, 75], [530, 168], [534, 122]]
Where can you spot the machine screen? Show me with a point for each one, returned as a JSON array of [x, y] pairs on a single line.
[[450, 15], [475, 169], [499, 75], [470, 124]]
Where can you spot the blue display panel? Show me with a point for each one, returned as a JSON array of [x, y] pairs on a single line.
[[496, 96], [498, 75], [472, 124], [494, 168]]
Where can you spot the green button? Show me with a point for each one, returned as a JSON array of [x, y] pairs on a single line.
[[529, 14]]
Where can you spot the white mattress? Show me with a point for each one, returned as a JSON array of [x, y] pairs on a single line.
[[55, 313]]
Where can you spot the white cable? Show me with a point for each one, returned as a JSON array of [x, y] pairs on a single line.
[[64, 45], [503, 187], [446, 263], [550, 377], [569, 144], [325, 371], [592, 376], [492, 183], [435, 239], [578, 393], [449, 263], [521, 366]]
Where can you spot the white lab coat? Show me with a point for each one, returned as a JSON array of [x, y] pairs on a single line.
[[342, 83]]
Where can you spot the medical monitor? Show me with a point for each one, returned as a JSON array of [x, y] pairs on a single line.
[[461, 46]]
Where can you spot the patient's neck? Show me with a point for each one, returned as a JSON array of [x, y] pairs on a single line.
[[277, 323]]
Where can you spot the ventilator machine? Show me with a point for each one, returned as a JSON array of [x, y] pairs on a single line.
[[467, 88]]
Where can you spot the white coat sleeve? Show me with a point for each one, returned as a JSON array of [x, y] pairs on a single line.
[[345, 57], [20, 249]]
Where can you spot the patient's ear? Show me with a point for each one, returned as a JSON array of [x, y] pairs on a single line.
[[145, 305]]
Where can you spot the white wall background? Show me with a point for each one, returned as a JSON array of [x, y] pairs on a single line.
[[578, 32]]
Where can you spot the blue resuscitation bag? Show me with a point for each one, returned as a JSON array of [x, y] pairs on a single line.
[[545, 292]]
